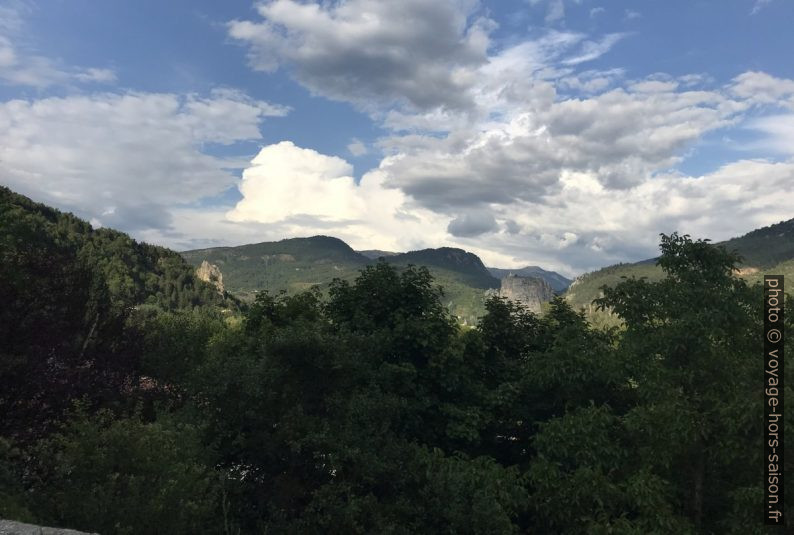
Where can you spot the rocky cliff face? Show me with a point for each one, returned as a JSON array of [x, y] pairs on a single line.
[[555, 280], [531, 292], [212, 274]]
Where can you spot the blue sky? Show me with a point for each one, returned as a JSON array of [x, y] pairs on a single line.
[[563, 133]]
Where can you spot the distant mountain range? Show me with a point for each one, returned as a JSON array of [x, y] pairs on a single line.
[[296, 264], [555, 280], [138, 273]]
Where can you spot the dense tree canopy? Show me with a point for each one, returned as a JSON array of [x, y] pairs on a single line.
[[69, 293], [370, 410]]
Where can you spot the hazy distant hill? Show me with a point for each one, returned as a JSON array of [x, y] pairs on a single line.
[[766, 250], [555, 280]]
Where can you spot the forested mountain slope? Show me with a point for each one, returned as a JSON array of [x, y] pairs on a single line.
[[468, 266], [367, 408], [36, 240], [768, 250], [296, 264], [72, 298], [290, 265], [766, 247]]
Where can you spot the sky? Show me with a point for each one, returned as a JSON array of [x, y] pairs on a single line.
[[562, 133]]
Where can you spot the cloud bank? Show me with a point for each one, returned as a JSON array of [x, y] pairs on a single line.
[[524, 151], [124, 160], [521, 152]]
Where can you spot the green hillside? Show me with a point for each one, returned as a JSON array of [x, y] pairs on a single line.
[[588, 286], [78, 304], [765, 247], [467, 266], [296, 264], [290, 265], [768, 250], [34, 236], [461, 274]]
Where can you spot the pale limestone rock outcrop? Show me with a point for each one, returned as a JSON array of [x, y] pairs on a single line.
[[531, 292], [212, 274]]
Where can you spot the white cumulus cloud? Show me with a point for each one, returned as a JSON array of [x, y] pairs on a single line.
[[413, 52], [521, 152], [124, 160], [300, 192], [524, 152]]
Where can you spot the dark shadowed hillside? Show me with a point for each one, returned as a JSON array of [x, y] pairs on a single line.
[[134, 273], [73, 297]]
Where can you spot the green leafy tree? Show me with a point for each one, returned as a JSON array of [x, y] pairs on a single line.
[[692, 343], [345, 417], [125, 476], [14, 500]]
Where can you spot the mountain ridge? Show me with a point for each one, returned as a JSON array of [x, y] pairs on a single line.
[[458, 260], [764, 250], [296, 264]]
